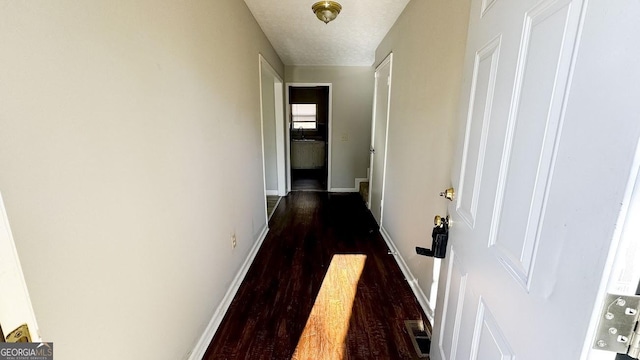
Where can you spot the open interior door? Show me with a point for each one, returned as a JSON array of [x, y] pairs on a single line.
[[549, 125], [17, 318], [379, 126]]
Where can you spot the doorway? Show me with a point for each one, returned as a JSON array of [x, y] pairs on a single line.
[[309, 114], [272, 122]]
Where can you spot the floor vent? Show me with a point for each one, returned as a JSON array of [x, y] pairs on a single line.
[[420, 337]]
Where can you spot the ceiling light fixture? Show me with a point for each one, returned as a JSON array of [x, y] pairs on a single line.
[[326, 10]]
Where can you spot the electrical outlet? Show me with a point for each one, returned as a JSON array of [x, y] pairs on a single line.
[[234, 241]]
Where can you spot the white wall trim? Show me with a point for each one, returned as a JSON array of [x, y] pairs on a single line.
[[356, 188], [413, 282], [271, 192], [221, 310], [343, 190], [288, 129], [261, 60]]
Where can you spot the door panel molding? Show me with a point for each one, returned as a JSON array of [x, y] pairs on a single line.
[[489, 341], [485, 70], [457, 281], [527, 164], [486, 6]]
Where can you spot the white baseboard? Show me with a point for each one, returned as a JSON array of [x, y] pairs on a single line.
[[271, 192], [343, 190], [356, 188], [218, 315], [413, 282]]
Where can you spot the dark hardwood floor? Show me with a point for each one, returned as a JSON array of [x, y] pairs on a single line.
[[309, 179], [321, 287]]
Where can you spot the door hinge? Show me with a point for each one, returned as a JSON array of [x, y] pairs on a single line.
[[617, 329], [389, 81], [20, 334]]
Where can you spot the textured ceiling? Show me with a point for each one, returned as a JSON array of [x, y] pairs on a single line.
[[350, 40]]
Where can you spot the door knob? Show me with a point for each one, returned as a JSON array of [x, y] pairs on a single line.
[[450, 193], [439, 237], [439, 221]]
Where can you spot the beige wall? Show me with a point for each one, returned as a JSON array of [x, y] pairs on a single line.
[[129, 152], [352, 102], [427, 43]]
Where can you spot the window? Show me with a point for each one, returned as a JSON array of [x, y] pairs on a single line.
[[303, 116]]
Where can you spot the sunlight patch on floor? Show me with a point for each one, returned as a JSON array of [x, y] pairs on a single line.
[[326, 329]]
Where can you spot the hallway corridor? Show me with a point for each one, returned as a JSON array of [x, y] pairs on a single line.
[[322, 286]]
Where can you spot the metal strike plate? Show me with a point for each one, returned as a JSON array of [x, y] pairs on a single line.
[[616, 329]]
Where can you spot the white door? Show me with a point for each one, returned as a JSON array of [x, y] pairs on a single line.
[[380, 123], [272, 121], [539, 176], [15, 304]]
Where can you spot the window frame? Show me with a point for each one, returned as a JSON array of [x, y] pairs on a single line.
[[298, 118]]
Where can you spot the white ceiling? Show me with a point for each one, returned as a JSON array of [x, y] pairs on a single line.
[[350, 40]]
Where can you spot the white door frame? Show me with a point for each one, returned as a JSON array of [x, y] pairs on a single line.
[[387, 60], [278, 88], [287, 139], [15, 302], [624, 237]]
